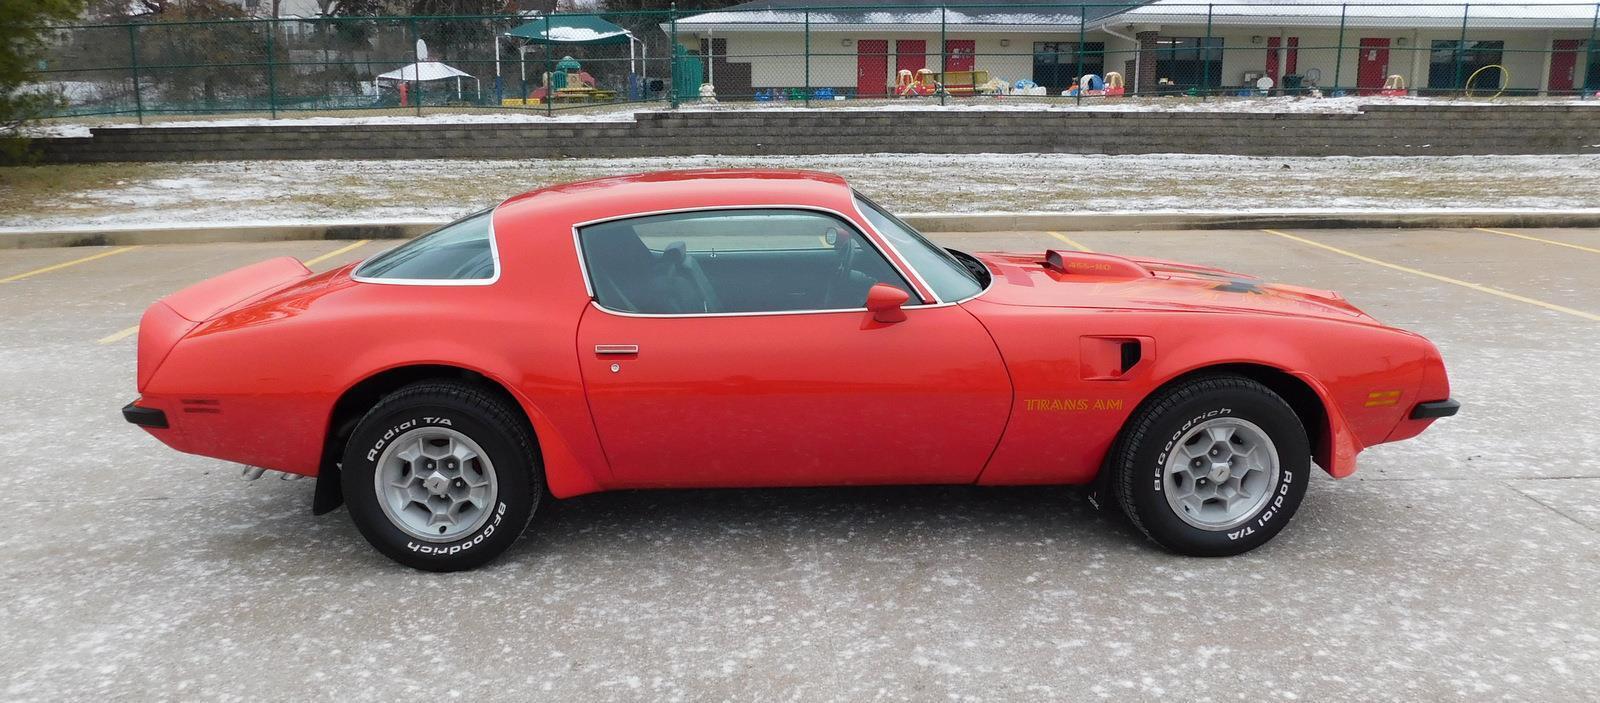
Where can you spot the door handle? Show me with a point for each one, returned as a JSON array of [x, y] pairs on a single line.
[[616, 349]]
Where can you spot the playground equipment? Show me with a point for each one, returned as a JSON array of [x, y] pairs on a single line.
[[1394, 86], [1114, 84], [907, 85], [1505, 80]]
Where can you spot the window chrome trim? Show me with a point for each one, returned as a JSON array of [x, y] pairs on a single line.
[[855, 202], [588, 286], [494, 256]]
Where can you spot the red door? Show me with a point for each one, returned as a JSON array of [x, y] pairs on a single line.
[[872, 67], [910, 55], [959, 54], [804, 399], [1372, 67], [1564, 65]]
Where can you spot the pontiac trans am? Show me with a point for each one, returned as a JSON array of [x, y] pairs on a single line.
[[767, 328]]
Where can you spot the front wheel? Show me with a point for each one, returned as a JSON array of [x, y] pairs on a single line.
[[441, 476], [1214, 466]]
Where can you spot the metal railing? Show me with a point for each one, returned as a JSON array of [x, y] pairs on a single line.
[[886, 54]]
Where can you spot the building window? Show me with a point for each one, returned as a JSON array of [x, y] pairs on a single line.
[[1188, 62], [1449, 66], [1055, 63]]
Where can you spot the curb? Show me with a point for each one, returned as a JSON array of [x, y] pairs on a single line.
[[938, 222]]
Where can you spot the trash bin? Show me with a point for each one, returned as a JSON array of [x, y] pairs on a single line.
[[1292, 84]]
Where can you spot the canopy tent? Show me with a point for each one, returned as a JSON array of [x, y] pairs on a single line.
[[430, 71], [567, 30], [571, 29]]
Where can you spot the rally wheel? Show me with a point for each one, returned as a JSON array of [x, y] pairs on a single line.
[[441, 476], [1213, 466]]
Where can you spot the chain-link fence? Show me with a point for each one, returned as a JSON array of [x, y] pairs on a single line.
[[1152, 53]]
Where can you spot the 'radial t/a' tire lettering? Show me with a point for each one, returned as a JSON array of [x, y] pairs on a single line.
[[1214, 466], [441, 476]]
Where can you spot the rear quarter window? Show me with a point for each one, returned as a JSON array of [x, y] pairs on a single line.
[[462, 251]]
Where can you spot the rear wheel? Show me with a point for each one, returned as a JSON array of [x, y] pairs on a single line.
[[1214, 466], [441, 476]]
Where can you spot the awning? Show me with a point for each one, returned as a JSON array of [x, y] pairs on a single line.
[[424, 71], [571, 29]]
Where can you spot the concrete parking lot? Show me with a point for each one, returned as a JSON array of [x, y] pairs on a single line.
[[1460, 565]]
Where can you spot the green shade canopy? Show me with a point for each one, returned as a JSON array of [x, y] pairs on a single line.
[[571, 29]]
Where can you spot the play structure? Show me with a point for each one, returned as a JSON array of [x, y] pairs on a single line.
[[564, 80], [921, 84], [1394, 86], [1092, 85]]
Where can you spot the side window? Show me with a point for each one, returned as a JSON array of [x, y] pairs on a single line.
[[732, 261], [460, 251]]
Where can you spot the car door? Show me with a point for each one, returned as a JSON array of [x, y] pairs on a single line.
[[794, 384]]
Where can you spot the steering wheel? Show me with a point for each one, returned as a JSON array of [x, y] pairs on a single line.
[[846, 254]]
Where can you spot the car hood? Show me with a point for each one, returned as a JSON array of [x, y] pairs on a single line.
[[1062, 278]]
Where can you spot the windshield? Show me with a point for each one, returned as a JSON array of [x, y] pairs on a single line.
[[949, 278]]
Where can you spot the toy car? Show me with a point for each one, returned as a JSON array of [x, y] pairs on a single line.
[[766, 328]]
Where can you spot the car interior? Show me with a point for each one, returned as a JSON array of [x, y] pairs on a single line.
[[678, 277]]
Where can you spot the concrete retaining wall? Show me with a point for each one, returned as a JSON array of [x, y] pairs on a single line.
[[1378, 130]]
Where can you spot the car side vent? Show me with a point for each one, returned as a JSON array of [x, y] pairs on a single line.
[[1112, 357], [1132, 352]]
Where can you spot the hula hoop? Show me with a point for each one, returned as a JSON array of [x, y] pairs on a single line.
[[1505, 80]]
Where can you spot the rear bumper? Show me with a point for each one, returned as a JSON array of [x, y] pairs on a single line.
[[144, 417], [1435, 409]]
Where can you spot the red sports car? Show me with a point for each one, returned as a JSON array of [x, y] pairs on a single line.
[[766, 328]]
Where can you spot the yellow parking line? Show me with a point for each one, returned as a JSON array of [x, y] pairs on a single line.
[[1445, 279], [118, 336], [1530, 237], [1069, 241], [313, 262], [74, 262]]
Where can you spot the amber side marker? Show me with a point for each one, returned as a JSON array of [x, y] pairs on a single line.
[[1443, 279]]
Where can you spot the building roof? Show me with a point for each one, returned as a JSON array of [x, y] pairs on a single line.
[[891, 15], [1497, 14], [1033, 15]]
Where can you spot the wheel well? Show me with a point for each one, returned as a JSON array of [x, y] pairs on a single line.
[[354, 404], [1305, 402]]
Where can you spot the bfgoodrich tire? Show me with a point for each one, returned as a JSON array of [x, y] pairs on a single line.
[[441, 476], [1214, 466]]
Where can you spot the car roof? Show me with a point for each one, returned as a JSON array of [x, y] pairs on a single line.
[[621, 196]]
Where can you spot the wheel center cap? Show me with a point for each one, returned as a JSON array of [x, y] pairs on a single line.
[[1219, 472], [437, 484]]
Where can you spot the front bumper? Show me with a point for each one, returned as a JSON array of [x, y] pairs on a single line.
[[144, 417], [1435, 409]]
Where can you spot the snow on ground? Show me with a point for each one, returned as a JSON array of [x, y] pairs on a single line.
[[1281, 104], [280, 191]]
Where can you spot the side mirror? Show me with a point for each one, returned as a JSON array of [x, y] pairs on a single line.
[[885, 301]]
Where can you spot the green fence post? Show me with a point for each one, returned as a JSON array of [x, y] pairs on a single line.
[[133, 64], [1594, 54], [672, 20], [944, 58], [1461, 50], [272, 78], [1082, 14], [1338, 54], [1205, 66], [808, 58]]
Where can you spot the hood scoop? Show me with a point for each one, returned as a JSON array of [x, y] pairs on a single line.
[[1091, 265]]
